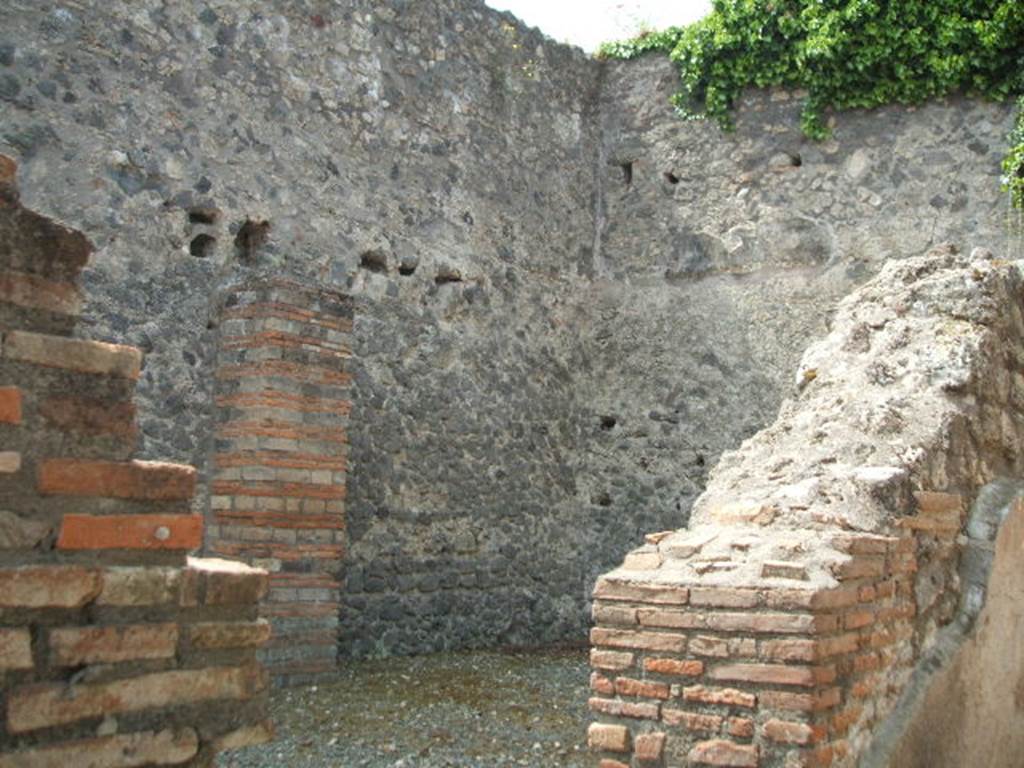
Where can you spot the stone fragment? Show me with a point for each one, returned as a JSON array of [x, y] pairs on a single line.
[[18, 532]]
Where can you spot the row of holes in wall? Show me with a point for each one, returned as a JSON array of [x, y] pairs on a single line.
[[627, 169], [377, 262], [250, 236]]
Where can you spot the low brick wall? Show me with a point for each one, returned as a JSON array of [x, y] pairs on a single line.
[[820, 571], [116, 649], [280, 461]]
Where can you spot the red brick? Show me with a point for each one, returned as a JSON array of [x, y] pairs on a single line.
[[860, 567], [722, 696], [606, 763], [613, 614], [131, 532], [141, 480], [35, 292], [858, 619], [78, 355], [760, 674], [612, 661], [276, 489], [649, 748], [73, 646], [46, 705], [740, 727], [607, 589], [608, 738], [15, 649], [10, 405], [670, 619], [800, 702], [282, 369], [725, 754], [709, 646], [935, 503], [272, 398], [48, 586], [786, 732], [723, 597], [601, 684], [692, 721], [135, 586], [90, 417], [842, 721], [8, 171], [640, 710], [130, 750], [649, 641], [625, 686], [680, 668], [226, 582], [788, 650], [232, 634]]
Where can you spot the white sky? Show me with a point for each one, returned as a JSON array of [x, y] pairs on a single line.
[[587, 23]]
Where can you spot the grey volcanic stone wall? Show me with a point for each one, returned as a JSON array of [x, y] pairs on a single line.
[[547, 358], [723, 255]]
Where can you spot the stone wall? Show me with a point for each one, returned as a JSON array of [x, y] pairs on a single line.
[[115, 649], [567, 302], [821, 562]]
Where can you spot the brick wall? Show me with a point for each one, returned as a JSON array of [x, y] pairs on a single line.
[[116, 648], [767, 673], [822, 565], [281, 445]]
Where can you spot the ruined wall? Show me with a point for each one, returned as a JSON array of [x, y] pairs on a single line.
[[115, 649], [432, 160], [822, 562], [567, 302], [722, 255]]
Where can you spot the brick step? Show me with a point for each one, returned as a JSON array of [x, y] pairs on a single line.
[[136, 480], [167, 532], [286, 401], [287, 313], [280, 459], [288, 520], [79, 355]]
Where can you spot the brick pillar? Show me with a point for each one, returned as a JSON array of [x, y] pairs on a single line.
[[278, 488], [103, 617]]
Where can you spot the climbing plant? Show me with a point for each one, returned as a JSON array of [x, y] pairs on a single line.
[[845, 53], [1013, 165]]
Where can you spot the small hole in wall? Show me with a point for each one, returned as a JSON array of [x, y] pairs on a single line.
[[608, 423], [374, 261], [202, 246], [406, 269], [795, 159], [627, 172], [602, 499], [205, 215], [448, 275], [700, 461], [671, 178], [252, 235]]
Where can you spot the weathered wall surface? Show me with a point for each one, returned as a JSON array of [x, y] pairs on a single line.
[[433, 160], [723, 255], [547, 359], [973, 712], [116, 649], [821, 563]]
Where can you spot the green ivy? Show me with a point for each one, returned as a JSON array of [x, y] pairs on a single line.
[[845, 54], [1013, 165]]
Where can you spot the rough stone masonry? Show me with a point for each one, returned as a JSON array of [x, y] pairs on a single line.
[[565, 303]]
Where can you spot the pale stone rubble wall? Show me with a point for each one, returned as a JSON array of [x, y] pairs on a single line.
[[781, 627]]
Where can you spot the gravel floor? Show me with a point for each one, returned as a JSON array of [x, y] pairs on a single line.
[[464, 710]]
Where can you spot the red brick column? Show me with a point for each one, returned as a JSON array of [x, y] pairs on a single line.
[[278, 489], [115, 648]]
